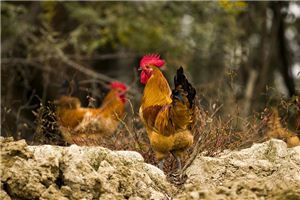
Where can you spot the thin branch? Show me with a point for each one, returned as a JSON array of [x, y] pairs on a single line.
[[103, 79], [14, 61], [216, 111], [103, 56], [82, 68], [87, 71], [26, 106]]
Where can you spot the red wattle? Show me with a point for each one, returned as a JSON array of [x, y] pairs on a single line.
[[145, 76]]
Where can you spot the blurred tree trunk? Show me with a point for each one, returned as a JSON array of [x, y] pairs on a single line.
[[249, 92], [267, 45], [257, 67], [283, 52], [273, 47]]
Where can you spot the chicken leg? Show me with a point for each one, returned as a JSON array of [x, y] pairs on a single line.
[[161, 164], [178, 161]]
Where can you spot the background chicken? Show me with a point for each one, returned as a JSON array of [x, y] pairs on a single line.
[[167, 115], [86, 126], [276, 130]]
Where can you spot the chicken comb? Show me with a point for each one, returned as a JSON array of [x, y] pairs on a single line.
[[153, 59], [118, 85]]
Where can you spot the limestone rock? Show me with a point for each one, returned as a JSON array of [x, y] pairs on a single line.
[[268, 170], [53, 172]]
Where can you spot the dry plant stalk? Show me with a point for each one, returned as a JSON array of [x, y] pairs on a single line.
[[47, 131]]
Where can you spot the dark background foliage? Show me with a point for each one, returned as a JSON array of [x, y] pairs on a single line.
[[241, 56]]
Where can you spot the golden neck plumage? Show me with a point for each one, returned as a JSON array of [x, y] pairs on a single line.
[[157, 90]]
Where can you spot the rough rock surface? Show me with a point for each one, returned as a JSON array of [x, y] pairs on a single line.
[[268, 170], [52, 172]]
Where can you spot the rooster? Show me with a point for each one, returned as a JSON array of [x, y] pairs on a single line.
[[168, 115], [86, 126]]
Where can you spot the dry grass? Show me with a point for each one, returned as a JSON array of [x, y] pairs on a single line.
[[47, 131], [212, 135], [213, 132]]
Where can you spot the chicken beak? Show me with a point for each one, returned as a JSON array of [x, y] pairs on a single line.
[[140, 69]]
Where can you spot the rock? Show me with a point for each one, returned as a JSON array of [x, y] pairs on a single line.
[[131, 154], [53, 172], [3, 194], [154, 170], [268, 170]]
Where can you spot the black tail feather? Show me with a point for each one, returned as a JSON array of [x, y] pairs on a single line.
[[180, 79]]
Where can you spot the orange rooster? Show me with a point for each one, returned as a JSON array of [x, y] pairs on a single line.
[[276, 130], [86, 126], [167, 114]]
